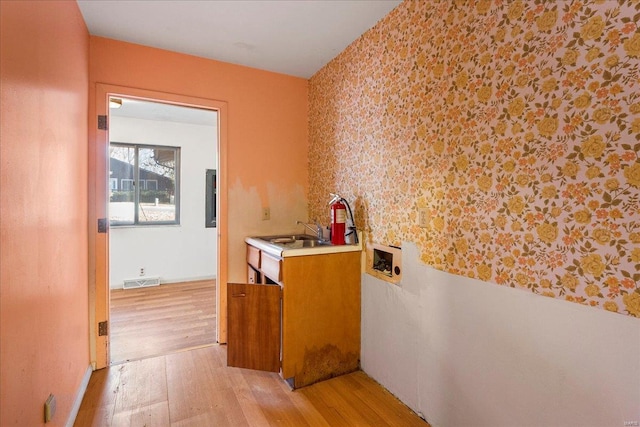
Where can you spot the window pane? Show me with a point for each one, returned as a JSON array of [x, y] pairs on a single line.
[[121, 175], [157, 200]]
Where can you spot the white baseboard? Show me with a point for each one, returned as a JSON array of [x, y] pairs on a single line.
[[179, 280], [188, 279], [79, 395]]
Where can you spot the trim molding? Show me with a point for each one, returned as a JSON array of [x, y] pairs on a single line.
[[179, 280], [79, 396]]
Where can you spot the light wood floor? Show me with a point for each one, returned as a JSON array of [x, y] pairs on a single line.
[[196, 388], [154, 321]]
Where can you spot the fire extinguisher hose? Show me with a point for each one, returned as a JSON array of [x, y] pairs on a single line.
[[353, 221]]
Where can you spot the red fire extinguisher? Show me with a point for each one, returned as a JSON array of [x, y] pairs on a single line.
[[338, 220]]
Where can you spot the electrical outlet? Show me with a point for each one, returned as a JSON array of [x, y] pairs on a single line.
[[142, 271], [49, 408], [266, 214], [423, 217]]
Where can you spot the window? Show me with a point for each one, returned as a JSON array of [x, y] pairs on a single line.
[[210, 199], [127, 184], [149, 184], [152, 184]]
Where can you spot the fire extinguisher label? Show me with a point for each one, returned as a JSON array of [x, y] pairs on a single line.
[[341, 215]]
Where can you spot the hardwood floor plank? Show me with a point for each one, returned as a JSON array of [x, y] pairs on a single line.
[[99, 400], [196, 389], [229, 405], [251, 409], [336, 409], [95, 417], [156, 414], [310, 412], [380, 400], [142, 383], [274, 401], [149, 322], [352, 399]]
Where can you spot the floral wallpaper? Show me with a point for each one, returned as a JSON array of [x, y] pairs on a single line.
[[515, 124]]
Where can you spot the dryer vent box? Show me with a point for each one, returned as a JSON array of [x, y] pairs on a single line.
[[385, 262]]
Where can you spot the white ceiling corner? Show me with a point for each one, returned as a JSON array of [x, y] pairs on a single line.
[[293, 37]]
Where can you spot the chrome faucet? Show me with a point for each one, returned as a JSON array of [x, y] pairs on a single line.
[[318, 229]]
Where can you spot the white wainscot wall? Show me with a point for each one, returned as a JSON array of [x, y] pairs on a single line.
[[174, 253], [462, 352]]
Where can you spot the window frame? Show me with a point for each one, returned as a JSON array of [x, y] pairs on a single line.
[[136, 185]]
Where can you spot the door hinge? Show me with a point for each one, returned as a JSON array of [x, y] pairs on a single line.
[[102, 122], [103, 225], [103, 329]]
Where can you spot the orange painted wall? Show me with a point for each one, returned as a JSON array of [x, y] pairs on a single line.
[[43, 209], [267, 129]]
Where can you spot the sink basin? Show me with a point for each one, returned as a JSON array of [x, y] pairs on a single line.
[[314, 243], [287, 239], [294, 241]]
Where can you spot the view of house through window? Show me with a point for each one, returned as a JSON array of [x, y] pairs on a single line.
[[143, 184]]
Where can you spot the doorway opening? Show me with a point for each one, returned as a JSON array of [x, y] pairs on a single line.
[[163, 243]]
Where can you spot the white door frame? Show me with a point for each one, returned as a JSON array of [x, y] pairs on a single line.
[[98, 191]]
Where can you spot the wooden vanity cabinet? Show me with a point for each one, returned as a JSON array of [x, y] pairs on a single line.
[[319, 313], [320, 317]]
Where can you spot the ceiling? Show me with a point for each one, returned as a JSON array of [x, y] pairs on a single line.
[[294, 37], [149, 110]]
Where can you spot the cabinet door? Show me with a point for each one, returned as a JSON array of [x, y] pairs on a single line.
[[253, 339]]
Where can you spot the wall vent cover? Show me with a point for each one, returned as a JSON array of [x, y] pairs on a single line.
[[141, 282]]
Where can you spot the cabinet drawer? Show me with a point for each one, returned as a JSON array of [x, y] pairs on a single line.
[[271, 267], [253, 256]]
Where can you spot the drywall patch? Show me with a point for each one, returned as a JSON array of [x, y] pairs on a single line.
[[287, 204], [463, 352]]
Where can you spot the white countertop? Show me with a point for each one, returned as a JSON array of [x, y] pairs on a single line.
[[276, 250]]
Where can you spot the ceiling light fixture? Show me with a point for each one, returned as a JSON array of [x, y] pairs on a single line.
[[115, 102]]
